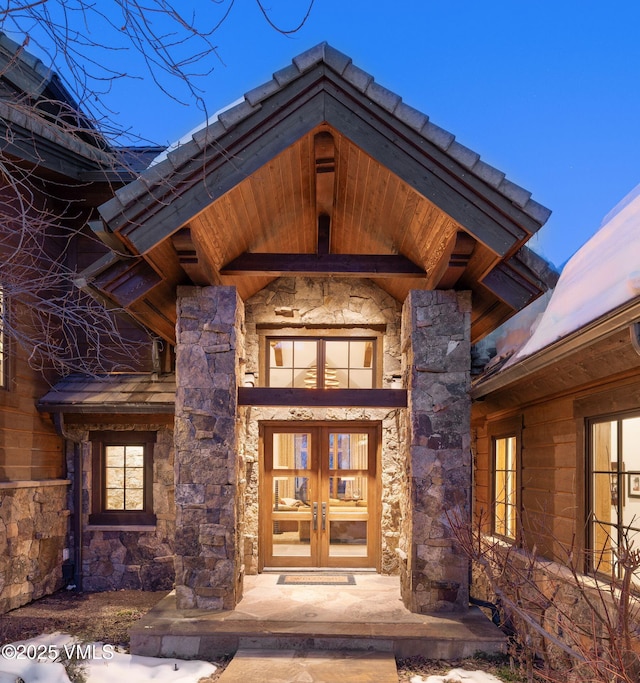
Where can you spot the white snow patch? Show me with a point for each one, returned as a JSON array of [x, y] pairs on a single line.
[[599, 278], [187, 136], [458, 676], [107, 666]]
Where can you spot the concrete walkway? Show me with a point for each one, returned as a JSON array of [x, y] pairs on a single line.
[[368, 616], [293, 666]]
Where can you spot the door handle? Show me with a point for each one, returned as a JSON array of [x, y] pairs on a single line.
[[324, 516], [315, 516]]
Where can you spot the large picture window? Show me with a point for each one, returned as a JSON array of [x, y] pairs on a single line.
[[321, 363], [122, 478], [614, 487]]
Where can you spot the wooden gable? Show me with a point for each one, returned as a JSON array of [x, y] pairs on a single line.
[[321, 171]]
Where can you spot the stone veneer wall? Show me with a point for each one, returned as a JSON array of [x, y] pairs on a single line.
[[436, 344], [34, 522], [208, 469], [300, 302], [133, 557]]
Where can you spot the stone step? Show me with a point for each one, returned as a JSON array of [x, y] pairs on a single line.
[[165, 632], [304, 666]]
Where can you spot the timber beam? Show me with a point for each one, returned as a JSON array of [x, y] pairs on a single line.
[[325, 164], [188, 257], [324, 398], [323, 262], [345, 265], [463, 246], [510, 286]]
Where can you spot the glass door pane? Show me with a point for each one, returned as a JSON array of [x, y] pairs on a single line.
[[318, 502], [348, 474], [291, 484]]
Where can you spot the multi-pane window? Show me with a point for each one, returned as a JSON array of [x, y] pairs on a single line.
[[505, 486], [321, 363], [614, 510], [122, 478]]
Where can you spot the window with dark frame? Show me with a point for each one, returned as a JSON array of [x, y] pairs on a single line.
[[505, 486], [122, 478], [614, 489], [321, 362]]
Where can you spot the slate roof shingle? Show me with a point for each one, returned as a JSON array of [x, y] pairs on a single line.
[[323, 53], [125, 393]]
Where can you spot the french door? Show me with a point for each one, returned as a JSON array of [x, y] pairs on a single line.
[[319, 495]]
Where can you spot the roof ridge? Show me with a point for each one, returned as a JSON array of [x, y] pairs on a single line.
[[364, 82]]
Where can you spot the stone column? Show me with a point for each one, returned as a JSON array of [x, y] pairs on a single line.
[[436, 347], [210, 344]]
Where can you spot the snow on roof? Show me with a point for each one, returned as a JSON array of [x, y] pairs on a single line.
[[600, 277], [187, 136]]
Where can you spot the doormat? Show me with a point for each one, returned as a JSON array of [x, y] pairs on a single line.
[[316, 580]]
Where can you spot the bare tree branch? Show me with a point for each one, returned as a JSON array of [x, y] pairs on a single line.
[[92, 45], [533, 594]]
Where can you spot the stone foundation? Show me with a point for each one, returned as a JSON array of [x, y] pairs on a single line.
[[208, 492], [436, 347], [34, 524], [562, 603], [131, 557]]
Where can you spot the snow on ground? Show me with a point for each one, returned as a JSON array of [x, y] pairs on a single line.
[[102, 663], [458, 676]]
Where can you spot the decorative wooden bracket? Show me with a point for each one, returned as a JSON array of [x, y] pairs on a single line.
[[188, 256], [510, 286], [461, 251], [126, 280]]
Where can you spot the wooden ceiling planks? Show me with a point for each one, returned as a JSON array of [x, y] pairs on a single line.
[[374, 212], [263, 212]]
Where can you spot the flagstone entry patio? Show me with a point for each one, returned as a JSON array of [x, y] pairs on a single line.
[[368, 615]]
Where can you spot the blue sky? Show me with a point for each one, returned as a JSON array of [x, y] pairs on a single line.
[[548, 92]]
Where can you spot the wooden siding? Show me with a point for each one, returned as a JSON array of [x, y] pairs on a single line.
[[553, 404], [30, 448], [548, 486], [482, 475], [548, 501]]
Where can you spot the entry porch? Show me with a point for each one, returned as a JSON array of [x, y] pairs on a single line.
[[308, 614]]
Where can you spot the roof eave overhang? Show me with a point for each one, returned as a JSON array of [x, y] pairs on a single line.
[[108, 408], [612, 322], [244, 138], [323, 88]]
